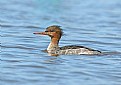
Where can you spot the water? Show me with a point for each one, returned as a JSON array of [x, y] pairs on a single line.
[[92, 23]]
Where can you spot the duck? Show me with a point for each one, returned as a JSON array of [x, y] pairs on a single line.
[[55, 33]]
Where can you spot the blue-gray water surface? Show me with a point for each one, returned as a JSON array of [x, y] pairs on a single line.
[[91, 23]]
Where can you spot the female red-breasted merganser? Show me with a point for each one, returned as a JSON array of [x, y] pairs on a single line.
[[55, 32]]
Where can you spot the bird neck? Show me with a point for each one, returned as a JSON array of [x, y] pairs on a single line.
[[53, 44]]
